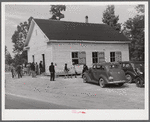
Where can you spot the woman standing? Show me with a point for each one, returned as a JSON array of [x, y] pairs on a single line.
[[66, 70]]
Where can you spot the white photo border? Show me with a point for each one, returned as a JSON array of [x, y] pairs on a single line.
[[92, 114]]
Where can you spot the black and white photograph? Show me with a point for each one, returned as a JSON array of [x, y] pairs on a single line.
[[75, 60]]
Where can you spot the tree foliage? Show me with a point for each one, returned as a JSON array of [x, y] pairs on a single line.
[[140, 8], [134, 30], [20, 59], [8, 58], [55, 10], [18, 38], [110, 18]]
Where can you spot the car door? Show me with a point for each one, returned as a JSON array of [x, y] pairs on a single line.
[[91, 72], [96, 73], [103, 71], [100, 70]]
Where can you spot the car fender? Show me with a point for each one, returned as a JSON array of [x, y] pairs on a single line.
[[105, 78], [131, 73], [87, 76]]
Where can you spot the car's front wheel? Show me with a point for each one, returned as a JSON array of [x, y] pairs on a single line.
[[129, 78], [139, 82], [102, 83], [84, 79]]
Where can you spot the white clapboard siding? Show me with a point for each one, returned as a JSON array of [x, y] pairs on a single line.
[[38, 46], [61, 53]]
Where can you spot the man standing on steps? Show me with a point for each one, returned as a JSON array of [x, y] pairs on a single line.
[[52, 72]]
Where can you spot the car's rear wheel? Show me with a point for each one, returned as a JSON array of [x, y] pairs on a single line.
[[139, 82], [84, 79], [102, 83], [129, 78]]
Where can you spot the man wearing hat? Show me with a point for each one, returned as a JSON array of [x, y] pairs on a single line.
[[52, 72]]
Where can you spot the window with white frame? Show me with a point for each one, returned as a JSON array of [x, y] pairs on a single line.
[[75, 57], [78, 57], [95, 57], [112, 56], [98, 57], [115, 56]]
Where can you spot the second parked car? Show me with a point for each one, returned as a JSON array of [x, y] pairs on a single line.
[[134, 71], [105, 73]]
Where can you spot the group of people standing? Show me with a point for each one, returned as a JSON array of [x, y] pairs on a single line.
[[17, 70], [35, 69], [66, 71], [27, 69]]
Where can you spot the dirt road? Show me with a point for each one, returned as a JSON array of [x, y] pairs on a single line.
[[76, 94], [21, 102]]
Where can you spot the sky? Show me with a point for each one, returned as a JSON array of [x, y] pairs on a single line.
[[15, 14]]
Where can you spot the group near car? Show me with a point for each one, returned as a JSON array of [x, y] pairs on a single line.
[[115, 73]]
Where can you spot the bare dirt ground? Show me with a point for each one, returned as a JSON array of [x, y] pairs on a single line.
[[76, 94]]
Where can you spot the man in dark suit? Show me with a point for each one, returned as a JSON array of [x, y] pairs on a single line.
[[52, 72]]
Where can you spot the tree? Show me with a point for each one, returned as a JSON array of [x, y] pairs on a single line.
[[110, 18], [19, 59], [8, 58], [18, 38], [134, 30], [140, 8], [55, 10]]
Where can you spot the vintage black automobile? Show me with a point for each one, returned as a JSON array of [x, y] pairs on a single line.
[[134, 71], [105, 73]]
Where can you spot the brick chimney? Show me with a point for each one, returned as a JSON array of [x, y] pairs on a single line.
[[86, 19]]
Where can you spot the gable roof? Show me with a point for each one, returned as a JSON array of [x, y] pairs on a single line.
[[63, 30]]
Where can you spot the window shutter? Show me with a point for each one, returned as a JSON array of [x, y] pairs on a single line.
[[101, 57], [118, 56], [82, 57]]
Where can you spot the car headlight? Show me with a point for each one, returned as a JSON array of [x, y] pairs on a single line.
[[110, 78]]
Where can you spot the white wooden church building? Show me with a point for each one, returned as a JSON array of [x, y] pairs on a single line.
[[63, 42]]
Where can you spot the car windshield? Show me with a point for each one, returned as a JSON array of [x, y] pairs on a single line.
[[101, 67]]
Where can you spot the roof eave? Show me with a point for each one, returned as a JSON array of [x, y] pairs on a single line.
[[90, 41], [29, 33]]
